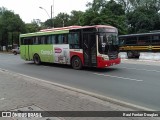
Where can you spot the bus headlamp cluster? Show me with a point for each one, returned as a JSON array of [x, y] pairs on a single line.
[[105, 57]]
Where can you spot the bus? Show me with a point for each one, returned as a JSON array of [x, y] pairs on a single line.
[[133, 44], [78, 46]]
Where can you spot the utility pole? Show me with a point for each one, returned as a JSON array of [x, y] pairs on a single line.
[[51, 17], [52, 12]]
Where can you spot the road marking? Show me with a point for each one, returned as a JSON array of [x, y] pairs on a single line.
[[141, 69], [118, 77]]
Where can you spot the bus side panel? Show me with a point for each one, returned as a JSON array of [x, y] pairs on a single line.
[[45, 52], [61, 54]]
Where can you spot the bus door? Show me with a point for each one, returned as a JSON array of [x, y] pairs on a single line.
[[89, 49], [27, 48]]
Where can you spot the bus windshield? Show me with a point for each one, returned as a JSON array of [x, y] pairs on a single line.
[[109, 38], [108, 42]]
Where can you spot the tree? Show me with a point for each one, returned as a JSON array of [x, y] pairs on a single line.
[[48, 23], [107, 13], [143, 20], [34, 26], [131, 5], [9, 23], [74, 18], [59, 21], [62, 19]]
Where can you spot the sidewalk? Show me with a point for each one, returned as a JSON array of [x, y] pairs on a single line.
[[23, 93]]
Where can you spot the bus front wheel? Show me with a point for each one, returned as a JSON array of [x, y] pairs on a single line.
[[76, 63], [36, 59]]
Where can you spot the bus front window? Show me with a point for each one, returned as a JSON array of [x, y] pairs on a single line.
[[108, 42], [112, 39]]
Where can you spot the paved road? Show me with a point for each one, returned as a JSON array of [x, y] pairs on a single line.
[[134, 83]]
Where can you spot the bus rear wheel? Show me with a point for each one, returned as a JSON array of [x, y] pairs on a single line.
[[36, 59], [76, 63]]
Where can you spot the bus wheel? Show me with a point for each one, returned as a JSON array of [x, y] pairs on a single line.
[[76, 63], [36, 59], [129, 54]]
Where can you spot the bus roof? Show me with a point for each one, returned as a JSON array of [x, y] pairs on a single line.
[[43, 33], [61, 30], [76, 27], [140, 34]]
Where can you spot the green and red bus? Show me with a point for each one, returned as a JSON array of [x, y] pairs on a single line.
[[78, 46]]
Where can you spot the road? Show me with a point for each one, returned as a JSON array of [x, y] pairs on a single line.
[[131, 82]]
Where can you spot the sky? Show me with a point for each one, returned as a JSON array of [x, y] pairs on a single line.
[[29, 9]]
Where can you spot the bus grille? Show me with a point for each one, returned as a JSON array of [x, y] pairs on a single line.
[[113, 55]]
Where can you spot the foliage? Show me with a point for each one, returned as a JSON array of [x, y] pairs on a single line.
[[62, 19], [129, 16], [34, 26], [75, 17], [102, 12], [143, 20], [9, 23]]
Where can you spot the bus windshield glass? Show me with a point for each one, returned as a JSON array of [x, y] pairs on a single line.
[[108, 40]]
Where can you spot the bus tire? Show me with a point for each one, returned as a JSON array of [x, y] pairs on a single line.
[[36, 59], [76, 63], [129, 54]]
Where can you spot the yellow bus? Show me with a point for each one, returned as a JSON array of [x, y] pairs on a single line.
[[133, 44]]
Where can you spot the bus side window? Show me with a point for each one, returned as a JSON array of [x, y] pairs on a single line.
[[22, 41], [30, 40], [73, 40], [60, 39], [42, 40], [35, 41], [65, 41], [143, 40], [122, 41], [156, 39], [51, 39], [26, 41], [131, 41]]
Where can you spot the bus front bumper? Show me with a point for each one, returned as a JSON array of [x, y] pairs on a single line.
[[106, 63]]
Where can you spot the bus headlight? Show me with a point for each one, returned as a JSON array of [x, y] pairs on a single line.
[[105, 57]]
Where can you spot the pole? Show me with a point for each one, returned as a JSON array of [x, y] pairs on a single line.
[[51, 11]]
